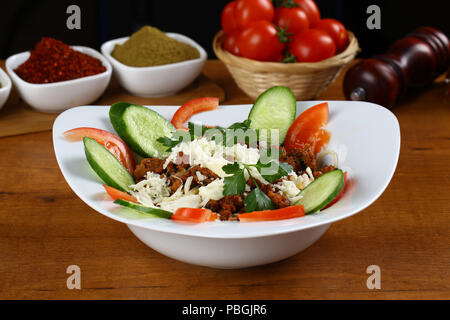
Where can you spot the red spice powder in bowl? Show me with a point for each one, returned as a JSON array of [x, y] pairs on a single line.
[[54, 76], [52, 60]]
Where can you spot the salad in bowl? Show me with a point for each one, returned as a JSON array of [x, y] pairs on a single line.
[[266, 167], [229, 186]]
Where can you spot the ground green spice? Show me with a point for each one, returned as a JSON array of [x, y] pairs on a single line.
[[151, 47]]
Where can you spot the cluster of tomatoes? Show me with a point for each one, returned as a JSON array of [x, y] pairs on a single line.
[[281, 31]]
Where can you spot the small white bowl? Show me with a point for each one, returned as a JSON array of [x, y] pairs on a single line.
[[157, 81], [58, 96], [5, 88], [365, 136]]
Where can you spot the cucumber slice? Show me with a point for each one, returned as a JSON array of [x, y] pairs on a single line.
[[157, 212], [139, 127], [322, 191], [106, 165], [275, 108]]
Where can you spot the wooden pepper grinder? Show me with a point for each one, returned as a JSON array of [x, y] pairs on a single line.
[[411, 62]]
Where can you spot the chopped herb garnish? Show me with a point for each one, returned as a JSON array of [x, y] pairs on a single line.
[[273, 170], [241, 125], [168, 142], [234, 184], [238, 132], [257, 201]]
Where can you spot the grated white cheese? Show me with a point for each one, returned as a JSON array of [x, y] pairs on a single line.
[[243, 153], [185, 201], [301, 181], [309, 172], [200, 177], [209, 154], [256, 175], [187, 185], [289, 189], [212, 191], [180, 199], [152, 190], [155, 190]]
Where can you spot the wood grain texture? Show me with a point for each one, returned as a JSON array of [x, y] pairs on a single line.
[[17, 117], [44, 228]]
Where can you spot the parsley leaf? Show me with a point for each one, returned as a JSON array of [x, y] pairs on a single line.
[[197, 130], [273, 170], [240, 125], [231, 168], [238, 132], [234, 184], [257, 201], [168, 142]]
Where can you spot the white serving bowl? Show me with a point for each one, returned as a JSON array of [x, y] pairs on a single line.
[[157, 81], [5, 88], [365, 136], [58, 96]]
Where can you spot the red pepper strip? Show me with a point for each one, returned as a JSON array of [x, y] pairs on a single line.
[[213, 216], [187, 110], [117, 194], [269, 215], [196, 215], [110, 141], [340, 193]]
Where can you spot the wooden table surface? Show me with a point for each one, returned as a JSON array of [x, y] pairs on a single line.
[[45, 227]]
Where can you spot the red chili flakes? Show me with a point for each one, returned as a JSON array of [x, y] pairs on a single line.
[[52, 60]]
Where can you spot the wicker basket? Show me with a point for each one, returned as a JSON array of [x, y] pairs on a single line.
[[307, 79]]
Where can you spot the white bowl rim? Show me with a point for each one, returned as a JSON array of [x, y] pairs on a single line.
[[5, 81], [193, 230], [87, 50], [203, 54]]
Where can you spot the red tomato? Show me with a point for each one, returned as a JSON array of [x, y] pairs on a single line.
[[311, 10], [304, 129], [336, 30], [227, 19], [260, 42], [192, 107], [248, 11], [320, 140], [195, 215], [230, 42], [293, 20], [110, 141], [312, 45], [269, 215], [117, 194]]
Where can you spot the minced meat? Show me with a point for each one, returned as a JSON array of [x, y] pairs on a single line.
[[226, 206], [178, 172], [300, 158]]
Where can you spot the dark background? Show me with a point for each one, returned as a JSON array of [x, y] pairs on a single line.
[[24, 22]]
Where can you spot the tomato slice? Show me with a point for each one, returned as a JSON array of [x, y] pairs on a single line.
[[196, 215], [320, 140], [187, 110], [269, 215], [110, 141], [340, 193], [117, 194], [305, 129]]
